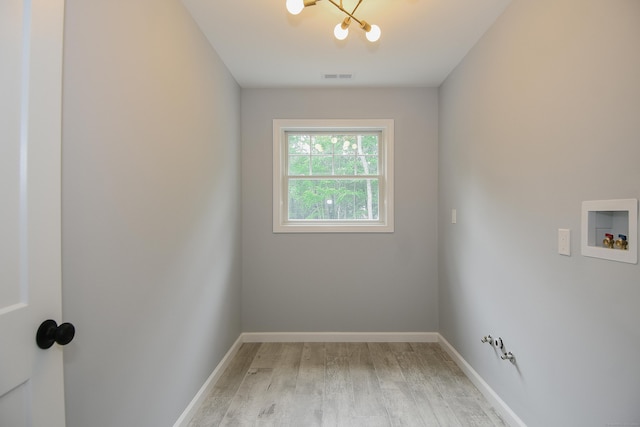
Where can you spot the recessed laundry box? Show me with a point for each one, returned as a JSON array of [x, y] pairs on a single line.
[[610, 229]]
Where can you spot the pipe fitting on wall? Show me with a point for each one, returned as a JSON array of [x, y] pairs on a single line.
[[498, 343], [508, 356], [488, 339]]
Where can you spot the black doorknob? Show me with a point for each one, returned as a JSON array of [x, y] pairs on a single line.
[[49, 332]]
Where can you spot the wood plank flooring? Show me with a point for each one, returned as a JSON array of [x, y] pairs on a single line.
[[344, 384]]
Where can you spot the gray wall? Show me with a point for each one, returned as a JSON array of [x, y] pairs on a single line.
[[342, 282], [541, 115], [151, 230]]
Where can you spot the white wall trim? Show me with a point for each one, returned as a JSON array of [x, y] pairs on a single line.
[[195, 403], [340, 337], [255, 337], [507, 414]]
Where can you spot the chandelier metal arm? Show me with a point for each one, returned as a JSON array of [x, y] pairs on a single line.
[[350, 14], [355, 8]]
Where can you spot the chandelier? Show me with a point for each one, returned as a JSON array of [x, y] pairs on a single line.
[[341, 31]]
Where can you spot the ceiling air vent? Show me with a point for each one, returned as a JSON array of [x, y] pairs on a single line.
[[334, 76]]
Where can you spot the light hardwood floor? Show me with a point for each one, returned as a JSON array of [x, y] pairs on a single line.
[[344, 384]]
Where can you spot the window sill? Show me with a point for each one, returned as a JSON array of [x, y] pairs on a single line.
[[337, 227]]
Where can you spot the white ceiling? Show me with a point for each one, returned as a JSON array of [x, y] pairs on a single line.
[[422, 40]]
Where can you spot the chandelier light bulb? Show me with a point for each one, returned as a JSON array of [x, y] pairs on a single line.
[[295, 6], [341, 31], [373, 35]]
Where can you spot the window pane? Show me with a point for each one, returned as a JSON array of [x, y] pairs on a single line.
[[321, 144], [299, 144], [366, 165], [346, 144], [299, 165], [345, 165], [321, 165], [369, 144], [335, 199]]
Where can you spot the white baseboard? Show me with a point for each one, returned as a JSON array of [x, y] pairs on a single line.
[[340, 337], [254, 337], [503, 409], [195, 403]]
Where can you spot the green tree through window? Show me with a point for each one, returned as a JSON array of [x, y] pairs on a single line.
[[333, 176]]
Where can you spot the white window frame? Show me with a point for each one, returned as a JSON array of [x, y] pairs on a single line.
[[281, 223]]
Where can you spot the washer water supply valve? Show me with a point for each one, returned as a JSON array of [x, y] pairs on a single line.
[[488, 339], [498, 343], [508, 356]]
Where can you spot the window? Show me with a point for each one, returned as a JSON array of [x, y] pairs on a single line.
[[332, 176]]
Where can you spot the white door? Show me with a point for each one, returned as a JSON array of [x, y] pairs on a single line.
[[31, 381]]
